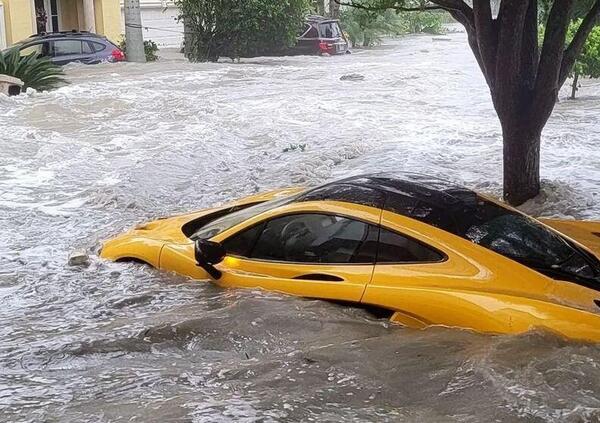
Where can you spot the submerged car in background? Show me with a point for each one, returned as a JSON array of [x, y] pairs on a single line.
[[427, 251], [321, 36], [71, 46]]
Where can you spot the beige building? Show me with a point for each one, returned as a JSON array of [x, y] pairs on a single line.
[[21, 18]]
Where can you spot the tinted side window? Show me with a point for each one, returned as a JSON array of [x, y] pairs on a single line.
[[97, 46], [87, 47], [242, 244], [312, 33], [67, 47], [395, 248], [330, 30], [39, 49], [309, 238], [304, 30]]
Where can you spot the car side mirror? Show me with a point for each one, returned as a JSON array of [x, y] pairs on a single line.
[[207, 254]]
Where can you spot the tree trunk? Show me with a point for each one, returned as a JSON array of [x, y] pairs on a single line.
[[187, 38], [334, 9], [320, 7], [521, 165], [574, 86]]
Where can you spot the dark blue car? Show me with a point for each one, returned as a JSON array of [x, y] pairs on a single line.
[[67, 47]]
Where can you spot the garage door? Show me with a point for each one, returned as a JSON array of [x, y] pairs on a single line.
[[161, 25]]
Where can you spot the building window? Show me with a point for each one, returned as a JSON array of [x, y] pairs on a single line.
[[54, 15]]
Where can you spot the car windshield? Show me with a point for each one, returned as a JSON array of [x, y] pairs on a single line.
[[526, 241], [221, 224]]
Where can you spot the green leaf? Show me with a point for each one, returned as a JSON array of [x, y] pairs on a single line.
[[35, 71]]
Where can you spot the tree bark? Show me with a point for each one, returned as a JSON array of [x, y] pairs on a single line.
[[187, 38], [334, 9], [574, 86], [320, 7], [524, 80], [521, 164]]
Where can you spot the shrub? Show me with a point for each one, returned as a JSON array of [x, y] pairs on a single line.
[[240, 28], [35, 71], [367, 27], [423, 22], [150, 49], [588, 62]]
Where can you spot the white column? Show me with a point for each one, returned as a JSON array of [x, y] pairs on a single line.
[[89, 16]]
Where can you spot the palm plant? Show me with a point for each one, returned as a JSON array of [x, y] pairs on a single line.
[[35, 71]]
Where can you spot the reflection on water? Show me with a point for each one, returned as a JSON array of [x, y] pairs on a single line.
[[125, 143]]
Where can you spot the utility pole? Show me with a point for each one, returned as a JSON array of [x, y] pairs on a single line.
[[134, 39]]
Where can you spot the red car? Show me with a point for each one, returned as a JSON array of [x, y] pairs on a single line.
[[321, 36]]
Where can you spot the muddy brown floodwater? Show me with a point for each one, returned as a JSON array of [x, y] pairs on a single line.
[[125, 143]]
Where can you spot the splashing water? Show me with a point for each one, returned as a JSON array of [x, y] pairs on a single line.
[[125, 143]]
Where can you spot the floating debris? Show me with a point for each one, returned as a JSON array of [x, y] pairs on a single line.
[[352, 77], [79, 258]]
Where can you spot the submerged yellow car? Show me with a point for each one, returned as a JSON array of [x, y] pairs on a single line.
[[428, 251]]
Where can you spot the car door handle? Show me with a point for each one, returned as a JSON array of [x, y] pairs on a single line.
[[320, 277]]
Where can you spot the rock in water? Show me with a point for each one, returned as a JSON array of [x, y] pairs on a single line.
[[79, 258], [10, 85], [352, 77]]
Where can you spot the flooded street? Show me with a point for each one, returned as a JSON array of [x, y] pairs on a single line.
[[125, 143]]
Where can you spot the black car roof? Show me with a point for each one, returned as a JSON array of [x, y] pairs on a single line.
[[319, 19], [415, 186], [431, 200], [63, 34]]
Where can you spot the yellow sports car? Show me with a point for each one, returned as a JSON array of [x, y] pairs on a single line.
[[427, 251]]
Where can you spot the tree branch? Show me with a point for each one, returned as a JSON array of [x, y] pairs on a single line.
[[384, 7], [551, 59], [487, 37], [530, 51], [448, 5], [460, 11], [511, 22], [474, 44], [572, 52]]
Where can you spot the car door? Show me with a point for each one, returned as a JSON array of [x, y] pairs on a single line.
[[71, 50], [410, 278], [428, 276], [315, 255]]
